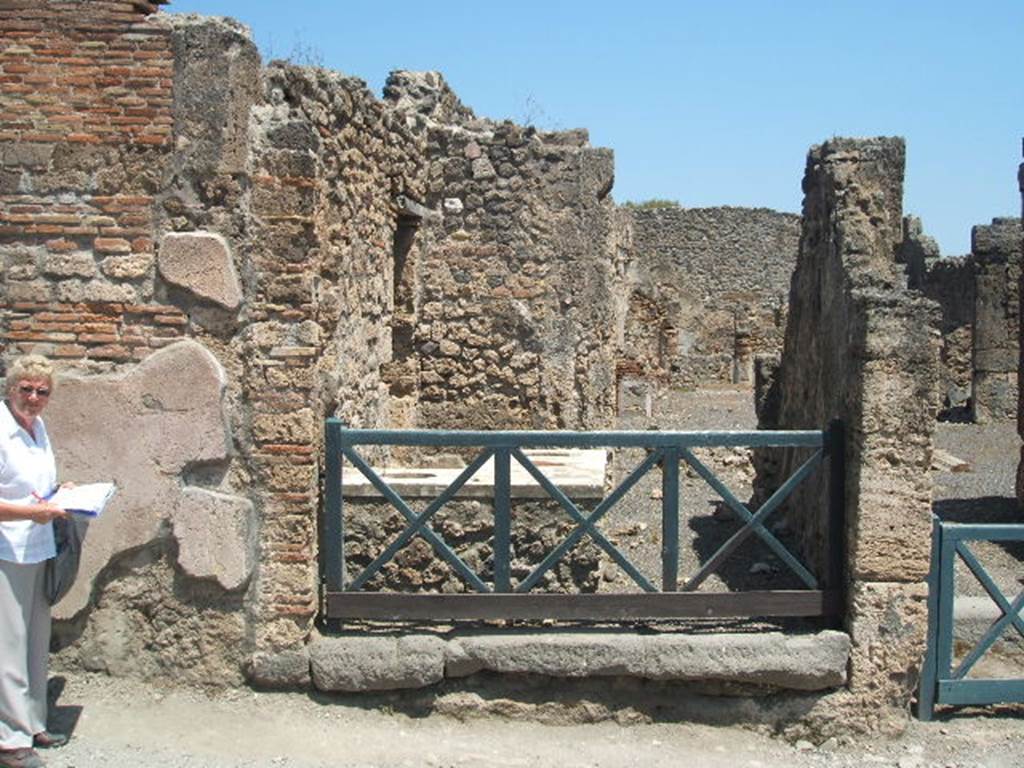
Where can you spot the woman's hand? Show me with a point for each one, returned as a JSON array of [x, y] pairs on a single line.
[[45, 511]]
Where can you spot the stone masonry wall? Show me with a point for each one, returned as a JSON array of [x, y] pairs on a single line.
[[950, 282], [510, 325], [329, 162], [1020, 334], [996, 249], [707, 292], [859, 347], [194, 238], [90, 138], [219, 256]]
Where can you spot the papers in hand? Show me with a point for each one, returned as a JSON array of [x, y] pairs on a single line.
[[87, 499]]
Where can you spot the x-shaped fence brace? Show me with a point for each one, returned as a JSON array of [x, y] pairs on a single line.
[[1010, 612], [940, 683], [586, 525]]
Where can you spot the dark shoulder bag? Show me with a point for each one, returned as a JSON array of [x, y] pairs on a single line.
[[68, 533]]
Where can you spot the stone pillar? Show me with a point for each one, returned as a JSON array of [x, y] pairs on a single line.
[[995, 346], [282, 348], [860, 347]]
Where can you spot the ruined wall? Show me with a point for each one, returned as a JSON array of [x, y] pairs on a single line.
[[510, 320], [219, 256], [996, 249], [950, 283], [105, 156], [860, 347], [1020, 334], [707, 292], [203, 246]]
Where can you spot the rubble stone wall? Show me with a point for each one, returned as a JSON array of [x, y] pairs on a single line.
[[860, 347], [950, 283], [510, 325], [707, 292], [1020, 334], [195, 237]]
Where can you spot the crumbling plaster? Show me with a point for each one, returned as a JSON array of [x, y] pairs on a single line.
[[144, 431]]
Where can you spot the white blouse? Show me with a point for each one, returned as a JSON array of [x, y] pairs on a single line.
[[26, 467]]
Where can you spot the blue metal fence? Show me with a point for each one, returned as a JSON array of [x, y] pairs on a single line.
[[940, 682], [344, 596]]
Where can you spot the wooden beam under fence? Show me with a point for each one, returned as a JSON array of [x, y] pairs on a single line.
[[391, 606]]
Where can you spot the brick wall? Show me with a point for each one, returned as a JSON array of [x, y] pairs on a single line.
[[85, 127]]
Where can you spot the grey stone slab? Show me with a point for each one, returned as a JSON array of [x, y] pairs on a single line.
[[284, 669], [353, 663], [800, 662]]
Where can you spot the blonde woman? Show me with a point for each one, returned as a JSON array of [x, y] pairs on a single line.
[[28, 475]]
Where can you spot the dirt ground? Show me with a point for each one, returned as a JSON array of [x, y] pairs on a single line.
[[118, 723]]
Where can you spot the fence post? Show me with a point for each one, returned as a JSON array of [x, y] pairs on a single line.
[[670, 519], [332, 543], [836, 572], [502, 519], [930, 663]]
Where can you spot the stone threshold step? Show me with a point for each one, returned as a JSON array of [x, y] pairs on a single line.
[[798, 662]]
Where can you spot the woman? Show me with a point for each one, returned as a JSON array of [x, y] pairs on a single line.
[[28, 475]]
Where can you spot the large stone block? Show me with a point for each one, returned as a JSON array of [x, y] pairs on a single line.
[[216, 82], [796, 662], [282, 669], [376, 663], [888, 624], [215, 536], [201, 263]]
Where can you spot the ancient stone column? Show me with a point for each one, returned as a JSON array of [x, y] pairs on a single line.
[[995, 346]]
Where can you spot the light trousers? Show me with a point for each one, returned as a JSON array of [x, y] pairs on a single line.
[[24, 652]]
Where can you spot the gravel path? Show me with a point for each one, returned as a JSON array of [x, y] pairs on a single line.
[[124, 725]]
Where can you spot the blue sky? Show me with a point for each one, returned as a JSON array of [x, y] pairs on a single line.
[[709, 102]]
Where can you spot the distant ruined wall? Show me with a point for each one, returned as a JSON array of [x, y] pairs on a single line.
[[707, 292], [950, 283], [1020, 334], [860, 347], [996, 249], [979, 316], [508, 322]]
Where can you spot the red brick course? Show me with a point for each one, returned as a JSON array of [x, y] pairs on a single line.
[[92, 331]]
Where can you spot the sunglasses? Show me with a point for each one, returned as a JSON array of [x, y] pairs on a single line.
[[26, 390]]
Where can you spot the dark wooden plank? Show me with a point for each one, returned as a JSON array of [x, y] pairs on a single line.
[[614, 607]]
